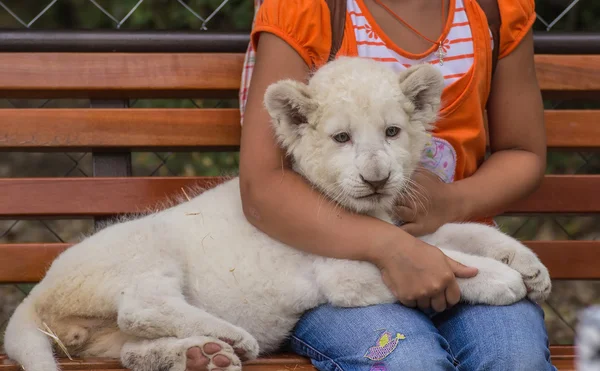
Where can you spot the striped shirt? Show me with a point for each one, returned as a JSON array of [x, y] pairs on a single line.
[[457, 45]]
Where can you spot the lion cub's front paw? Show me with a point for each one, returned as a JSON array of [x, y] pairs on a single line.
[[494, 284], [535, 274]]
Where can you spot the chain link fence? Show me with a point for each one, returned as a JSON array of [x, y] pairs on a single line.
[[551, 14], [236, 15], [200, 15]]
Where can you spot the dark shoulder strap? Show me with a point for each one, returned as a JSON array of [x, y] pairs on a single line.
[[492, 13], [337, 11]]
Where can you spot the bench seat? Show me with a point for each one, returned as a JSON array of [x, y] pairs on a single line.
[[562, 358], [110, 131]]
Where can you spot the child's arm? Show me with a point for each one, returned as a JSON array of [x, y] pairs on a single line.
[[517, 138], [518, 145], [280, 202]]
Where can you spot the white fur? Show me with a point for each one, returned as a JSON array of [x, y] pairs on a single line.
[[147, 289]]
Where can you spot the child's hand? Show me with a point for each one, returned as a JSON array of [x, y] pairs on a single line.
[[432, 204], [420, 275]]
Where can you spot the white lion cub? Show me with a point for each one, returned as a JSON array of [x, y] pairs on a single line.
[[148, 289]]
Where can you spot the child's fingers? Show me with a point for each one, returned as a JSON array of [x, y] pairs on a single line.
[[406, 214]]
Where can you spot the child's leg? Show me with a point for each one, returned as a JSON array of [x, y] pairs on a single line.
[[374, 338], [497, 337]]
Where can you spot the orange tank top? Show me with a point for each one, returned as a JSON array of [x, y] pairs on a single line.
[[459, 139]]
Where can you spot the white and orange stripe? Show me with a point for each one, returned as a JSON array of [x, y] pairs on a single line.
[[458, 44]]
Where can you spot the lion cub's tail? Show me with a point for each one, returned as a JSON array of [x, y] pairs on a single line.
[[25, 343]]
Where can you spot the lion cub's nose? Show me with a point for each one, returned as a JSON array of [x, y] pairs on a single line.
[[376, 184]]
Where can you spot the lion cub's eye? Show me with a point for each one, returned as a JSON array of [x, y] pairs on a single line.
[[341, 137], [392, 131]]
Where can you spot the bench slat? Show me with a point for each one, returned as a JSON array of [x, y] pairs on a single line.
[[134, 129], [563, 357], [565, 259], [567, 129], [54, 197], [101, 196], [275, 363], [27, 262], [562, 194], [170, 75], [564, 73], [569, 260], [179, 129], [119, 75]]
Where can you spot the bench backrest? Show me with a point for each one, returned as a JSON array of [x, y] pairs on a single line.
[[110, 131]]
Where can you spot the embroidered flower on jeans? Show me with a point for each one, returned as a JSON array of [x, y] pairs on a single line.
[[386, 344]]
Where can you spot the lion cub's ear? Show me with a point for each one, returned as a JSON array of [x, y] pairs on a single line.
[[289, 103], [422, 84]]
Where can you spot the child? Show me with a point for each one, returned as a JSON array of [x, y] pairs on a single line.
[[428, 329]]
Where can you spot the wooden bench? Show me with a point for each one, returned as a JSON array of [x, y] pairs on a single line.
[[111, 131]]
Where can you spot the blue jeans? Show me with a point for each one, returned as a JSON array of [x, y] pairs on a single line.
[[392, 337]]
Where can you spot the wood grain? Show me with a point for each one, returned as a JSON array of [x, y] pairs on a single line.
[[285, 361], [572, 129], [193, 129], [101, 196], [119, 75], [562, 194], [134, 129], [27, 262], [564, 259], [171, 75], [569, 260], [563, 357], [105, 196], [565, 73]]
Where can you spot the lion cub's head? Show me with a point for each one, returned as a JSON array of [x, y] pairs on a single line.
[[357, 129]]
